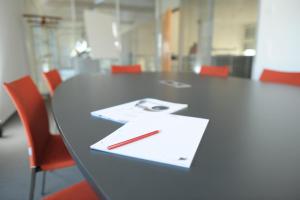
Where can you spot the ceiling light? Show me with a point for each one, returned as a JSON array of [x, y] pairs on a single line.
[[249, 52], [98, 1]]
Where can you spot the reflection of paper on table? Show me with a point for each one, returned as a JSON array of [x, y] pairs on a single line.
[[176, 144], [175, 84], [126, 112]]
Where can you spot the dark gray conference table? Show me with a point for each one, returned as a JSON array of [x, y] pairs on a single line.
[[250, 150]]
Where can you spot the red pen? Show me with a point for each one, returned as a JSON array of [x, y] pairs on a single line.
[[132, 140]]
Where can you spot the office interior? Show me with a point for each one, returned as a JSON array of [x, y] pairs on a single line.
[[87, 37]]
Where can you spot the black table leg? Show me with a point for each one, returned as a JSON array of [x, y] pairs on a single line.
[[0, 129]]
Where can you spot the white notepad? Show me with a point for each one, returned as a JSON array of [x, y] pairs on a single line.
[[129, 111], [176, 144]]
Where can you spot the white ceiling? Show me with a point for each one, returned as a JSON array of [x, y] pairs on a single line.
[[128, 3], [62, 8]]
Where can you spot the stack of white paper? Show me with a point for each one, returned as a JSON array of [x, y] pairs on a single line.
[[175, 144], [129, 111]]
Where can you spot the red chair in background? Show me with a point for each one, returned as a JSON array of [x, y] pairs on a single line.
[[47, 152], [53, 79], [78, 191], [130, 69], [218, 71], [290, 78]]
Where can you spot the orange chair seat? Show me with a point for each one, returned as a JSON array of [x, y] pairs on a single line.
[[130, 69], [290, 78], [56, 154], [52, 79], [218, 71], [78, 191]]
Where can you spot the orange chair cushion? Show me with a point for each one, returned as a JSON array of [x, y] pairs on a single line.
[[218, 71], [33, 113], [291, 78], [56, 155], [52, 79], [78, 191], [135, 69], [46, 151]]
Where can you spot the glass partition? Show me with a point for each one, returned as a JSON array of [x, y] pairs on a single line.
[[138, 29], [234, 31], [161, 35]]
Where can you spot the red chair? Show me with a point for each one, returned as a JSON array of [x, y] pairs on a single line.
[[290, 78], [78, 191], [47, 152], [130, 69], [218, 71], [52, 79]]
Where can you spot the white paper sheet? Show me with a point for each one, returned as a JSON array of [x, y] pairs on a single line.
[[129, 111], [176, 144]]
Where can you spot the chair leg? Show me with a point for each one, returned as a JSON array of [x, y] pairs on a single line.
[[43, 182], [32, 183]]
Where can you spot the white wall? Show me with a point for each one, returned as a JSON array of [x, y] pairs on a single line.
[[12, 50], [278, 37]]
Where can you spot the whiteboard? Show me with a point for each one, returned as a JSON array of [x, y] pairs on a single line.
[[102, 34]]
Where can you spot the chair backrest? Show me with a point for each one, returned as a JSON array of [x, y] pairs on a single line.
[[131, 69], [219, 71], [33, 113], [290, 78], [52, 79]]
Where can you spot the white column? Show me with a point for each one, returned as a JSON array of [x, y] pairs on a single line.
[[206, 8], [158, 35], [278, 37]]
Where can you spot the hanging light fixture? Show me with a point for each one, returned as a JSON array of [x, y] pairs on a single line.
[[98, 1]]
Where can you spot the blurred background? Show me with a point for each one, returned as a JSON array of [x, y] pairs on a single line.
[[161, 35]]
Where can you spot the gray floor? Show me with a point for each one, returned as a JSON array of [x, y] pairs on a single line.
[[14, 166]]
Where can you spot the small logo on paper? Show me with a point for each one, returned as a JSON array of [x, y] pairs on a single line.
[[182, 158]]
